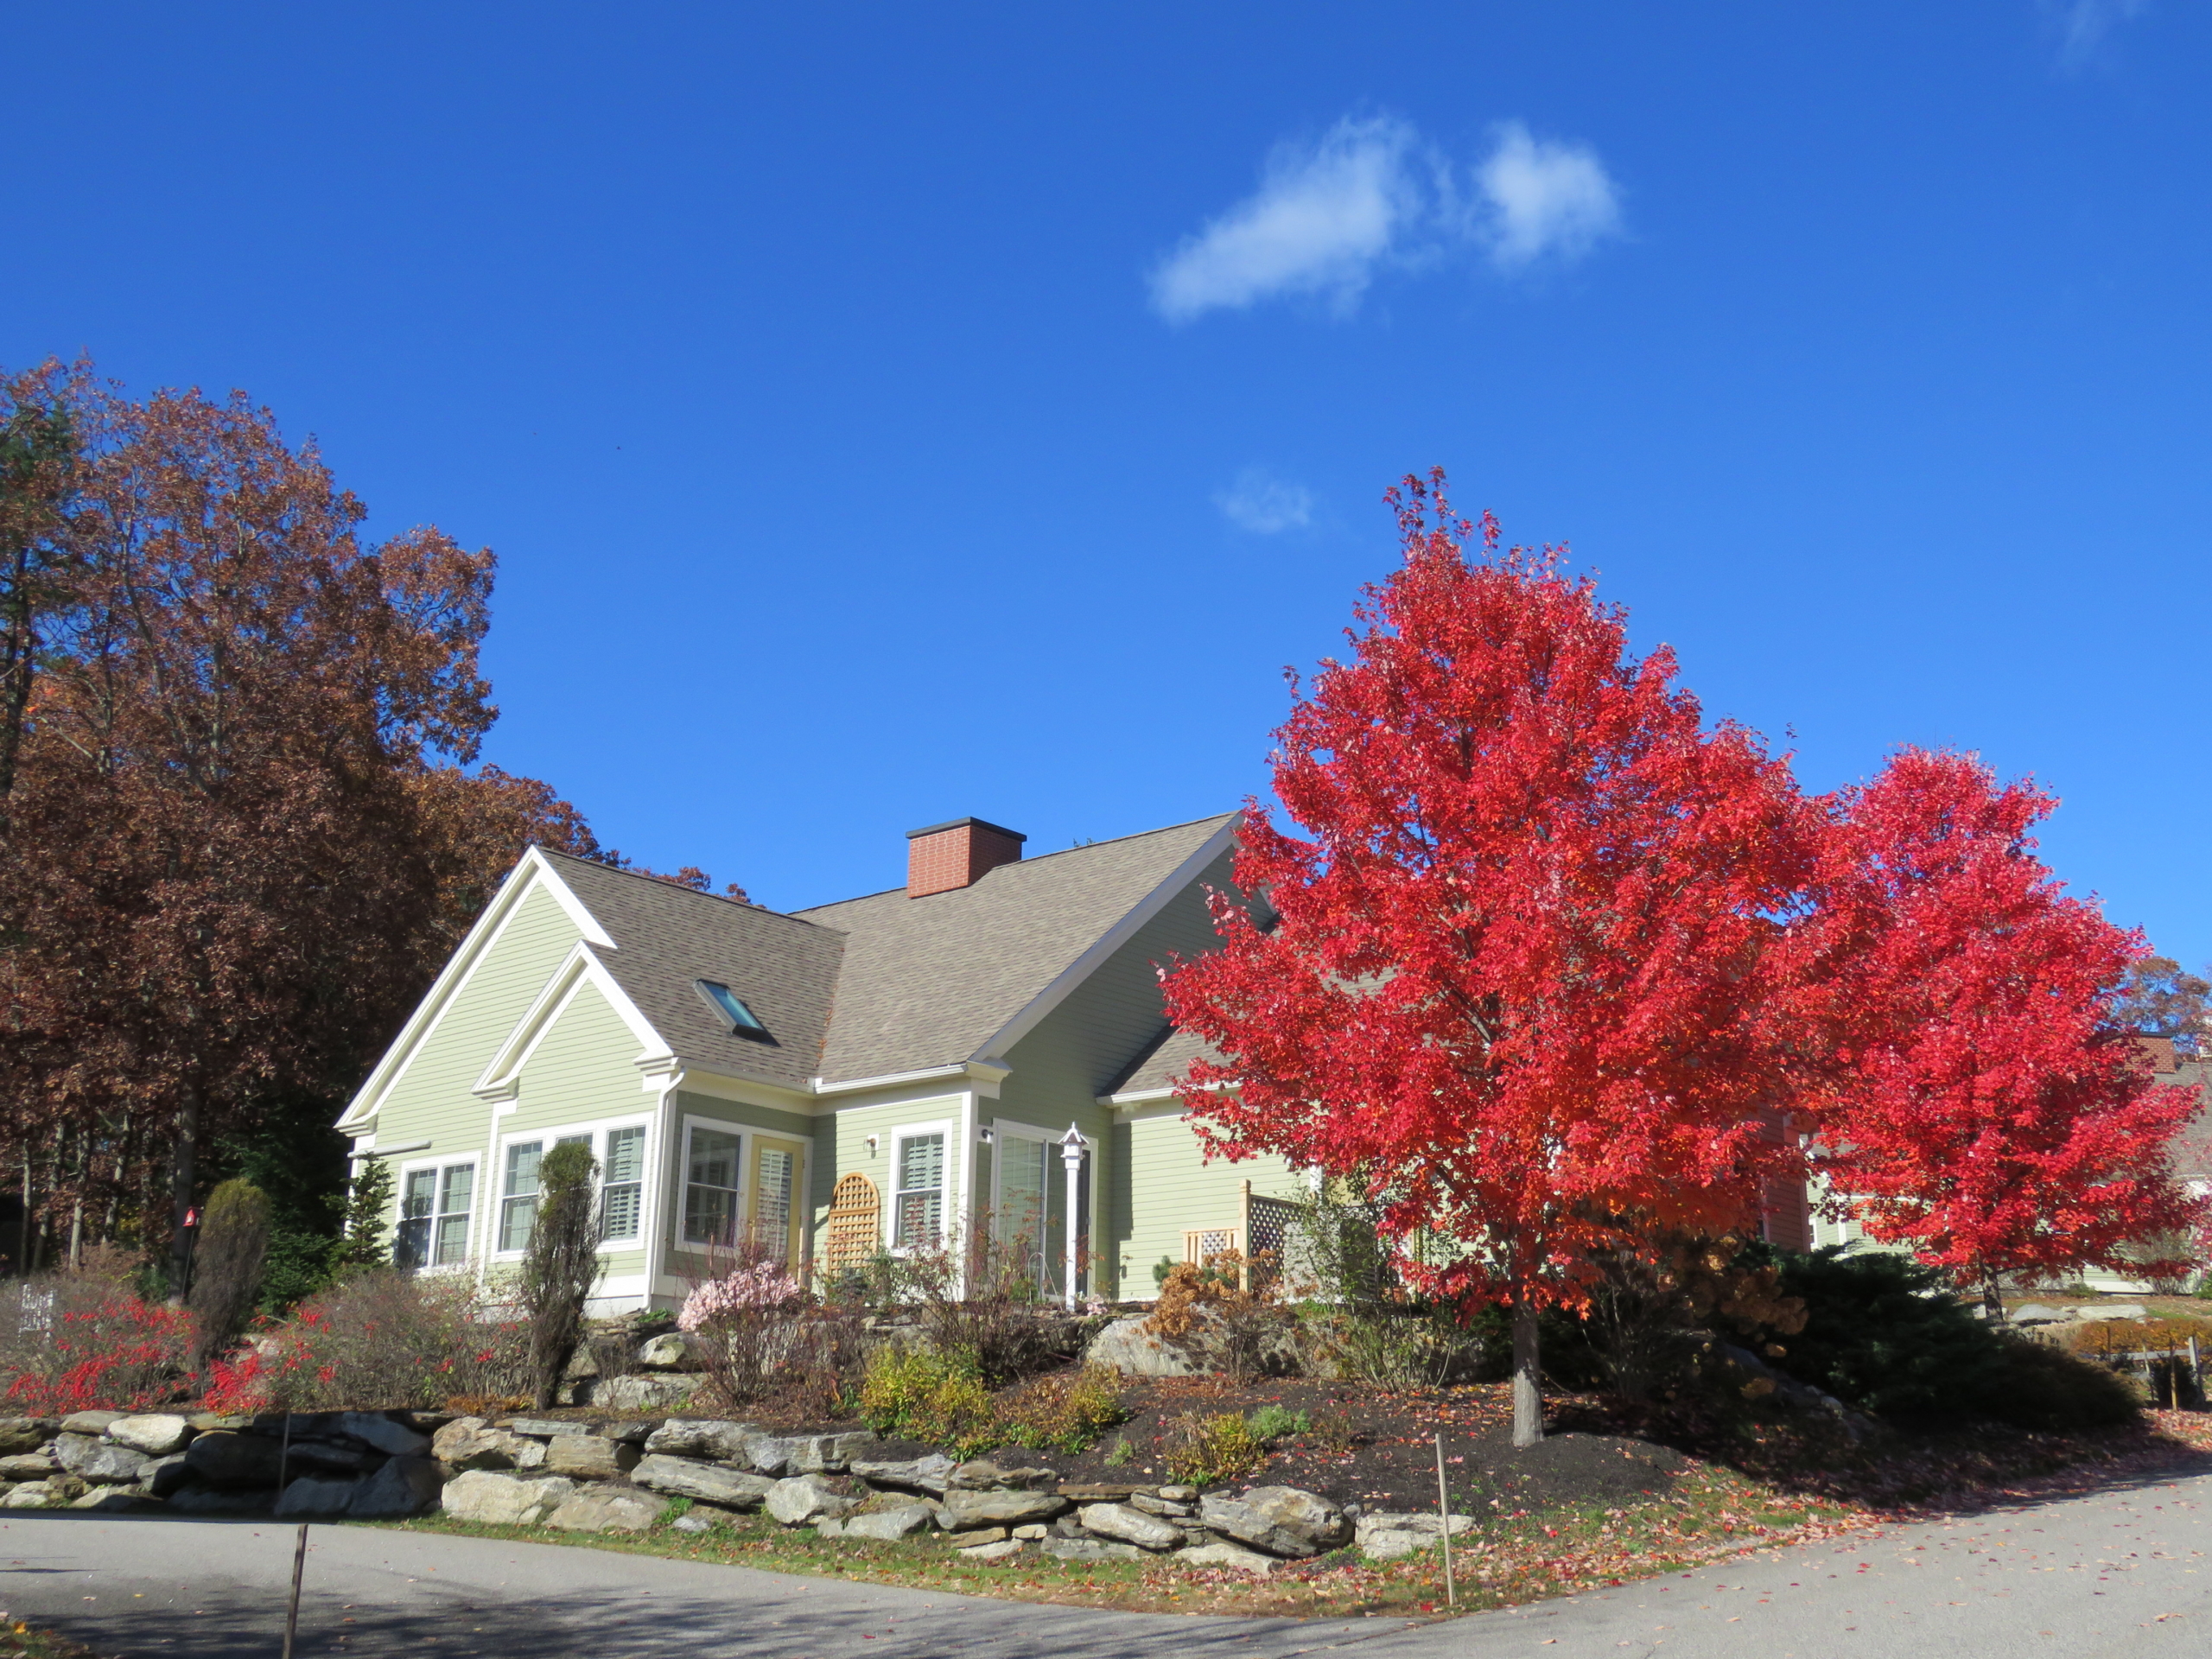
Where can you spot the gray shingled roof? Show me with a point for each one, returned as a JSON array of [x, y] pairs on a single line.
[[927, 982], [667, 937], [1162, 1065]]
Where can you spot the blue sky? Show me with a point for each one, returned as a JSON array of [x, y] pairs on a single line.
[[885, 413]]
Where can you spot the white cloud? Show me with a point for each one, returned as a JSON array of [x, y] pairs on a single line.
[[1321, 221], [1545, 198], [1263, 503], [1369, 194], [2082, 25]]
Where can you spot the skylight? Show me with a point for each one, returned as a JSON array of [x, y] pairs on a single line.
[[743, 1021]]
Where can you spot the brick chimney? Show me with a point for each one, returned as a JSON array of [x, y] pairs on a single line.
[[949, 856]]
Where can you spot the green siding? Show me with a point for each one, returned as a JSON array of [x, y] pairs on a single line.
[[1169, 1185], [580, 1073], [431, 1099], [1079, 1051], [841, 1148]]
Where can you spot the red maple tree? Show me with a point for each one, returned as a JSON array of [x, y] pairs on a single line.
[[1986, 1107], [1518, 986]]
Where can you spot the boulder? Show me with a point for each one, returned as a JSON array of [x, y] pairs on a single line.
[[22, 1434], [2113, 1311], [223, 1500], [1152, 1505], [1126, 1346], [1178, 1494], [469, 1443], [544, 1428], [225, 1457], [1229, 1555], [1385, 1534], [606, 1509], [380, 1432], [589, 1457], [156, 1434], [807, 1454], [963, 1510], [317, 1495], [978, 1476], [669, 1352], [975, 1535], [997, 1552], [163, 1476], [89, 1423], [709, 1438], [1279, 1520], [928, 1474], [2038, 1313], [649, 1392], [204, 1420], [1130, 1526], [329, 1456], [404, 1486], [680, 1477], [98, 1460], [632, 1434], [1090, 1549], [493, 1499], [112, 1499], [36, 1495], [803, 1499], [28, 1465], [883, 1525], [697, 1521]]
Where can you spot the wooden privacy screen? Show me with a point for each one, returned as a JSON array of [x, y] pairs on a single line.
[[855, 1225]]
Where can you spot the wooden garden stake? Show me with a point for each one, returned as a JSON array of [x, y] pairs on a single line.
[[1444, 1519], [299, 1570]]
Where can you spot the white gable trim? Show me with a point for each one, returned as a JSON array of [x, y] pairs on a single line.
[[581, 967], [532, 872], [1107, 943]]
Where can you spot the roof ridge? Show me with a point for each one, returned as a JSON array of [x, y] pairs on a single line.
[[1135, 834]]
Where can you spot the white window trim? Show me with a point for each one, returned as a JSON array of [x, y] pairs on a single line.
[[451, 1160], [946, 1187], [597, 1129]]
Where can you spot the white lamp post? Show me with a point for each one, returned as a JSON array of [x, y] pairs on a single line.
[[1072, 1145]]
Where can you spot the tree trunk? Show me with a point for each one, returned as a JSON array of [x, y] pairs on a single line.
[[183, 1166], [1992, 1303], [1528, 1375]]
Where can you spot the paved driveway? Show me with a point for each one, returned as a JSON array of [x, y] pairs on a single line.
[[2128, 1571]]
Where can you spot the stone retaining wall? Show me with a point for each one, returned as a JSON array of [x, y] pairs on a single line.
[[620, 1475]]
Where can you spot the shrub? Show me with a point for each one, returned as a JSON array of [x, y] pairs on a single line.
[[1223, 1313], [1206, 1451], [979, 1296], [755, 1330], [1273, 1422], [561, 1265], [1398, 1344], [1883, 1332], [384, 1340], [1067, 1413], [927, 1395], [226, 1267], [87, 1341]]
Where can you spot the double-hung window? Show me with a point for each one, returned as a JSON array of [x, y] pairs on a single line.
[[918, 1204], [711, 1177], [519, 1194], [433, 1212], [622, 1182]]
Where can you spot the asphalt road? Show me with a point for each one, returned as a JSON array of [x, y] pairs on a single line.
[[2125, 1571]]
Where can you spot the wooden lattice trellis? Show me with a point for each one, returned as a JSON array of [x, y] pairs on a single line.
[[855, 1228]]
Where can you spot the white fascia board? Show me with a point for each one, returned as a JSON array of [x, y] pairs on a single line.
[[1136, 1098], [1109, 942], [530, 873], [581, 967], [988, 1072], [745, 1091]]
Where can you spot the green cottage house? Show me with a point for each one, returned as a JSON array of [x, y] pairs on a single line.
[[983, 1048]]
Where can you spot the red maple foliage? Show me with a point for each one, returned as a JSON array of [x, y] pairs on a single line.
[[1985, 1104], [1520, 982]]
